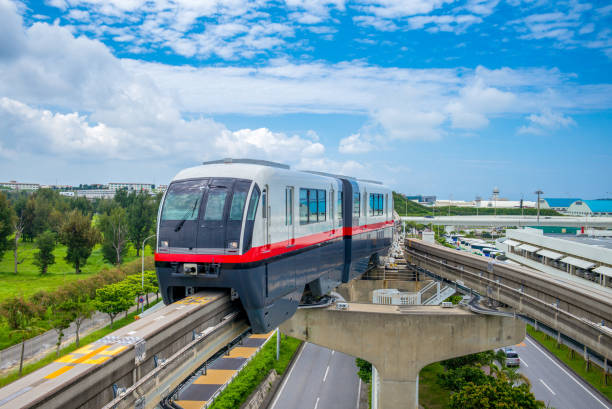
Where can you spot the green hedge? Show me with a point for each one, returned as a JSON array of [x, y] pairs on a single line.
[[253, 374]]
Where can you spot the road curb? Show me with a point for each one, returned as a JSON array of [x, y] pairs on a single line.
[[568, 368], [279, 381]]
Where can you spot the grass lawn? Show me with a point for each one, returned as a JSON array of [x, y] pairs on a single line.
[[431, 394], [28, 280], [594, 376], [94, 336]]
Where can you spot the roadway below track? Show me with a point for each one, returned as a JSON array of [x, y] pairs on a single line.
[[552, 383], [319, 379]]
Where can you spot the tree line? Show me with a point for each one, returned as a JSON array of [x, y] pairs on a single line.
[[110, 292], [46, 218]]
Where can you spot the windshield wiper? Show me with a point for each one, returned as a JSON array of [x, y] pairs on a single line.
[[180, 224]]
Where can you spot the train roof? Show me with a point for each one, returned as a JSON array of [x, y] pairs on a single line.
[[251, 167]]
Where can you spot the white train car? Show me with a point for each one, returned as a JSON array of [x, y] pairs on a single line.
[[269, 233]]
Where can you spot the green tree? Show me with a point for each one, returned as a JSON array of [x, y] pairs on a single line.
[[80, 237], [497, 394], [6, 224], [81, 306], [28, 214], [456, 379], [149, 283], [44, 257], [141, 218], [114, 228], [122, 198], [20, 315], [113, 299], [60, 315]]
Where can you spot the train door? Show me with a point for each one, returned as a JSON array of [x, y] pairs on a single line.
[[289, 219]]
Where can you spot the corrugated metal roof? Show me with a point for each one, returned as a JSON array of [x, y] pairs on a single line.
[[578, 262], [528, 247], [599, 206], [560, 201], [604, 270], [550, 254]]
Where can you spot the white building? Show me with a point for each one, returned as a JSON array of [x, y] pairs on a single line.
[[14, 185], [67, 194], [96, 193], [590, 259], [499, 204], [131, 186], [591, 208]]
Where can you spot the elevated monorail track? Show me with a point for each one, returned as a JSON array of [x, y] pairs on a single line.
[[570, 308], [137, 364]]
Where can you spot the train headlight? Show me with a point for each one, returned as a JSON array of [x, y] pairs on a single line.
[[164, 244], [233, 245]]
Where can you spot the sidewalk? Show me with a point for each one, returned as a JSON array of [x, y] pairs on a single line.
[[41, 345]]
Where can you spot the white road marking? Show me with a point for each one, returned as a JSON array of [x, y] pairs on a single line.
[[358, 393], [317, 404], [131, 332], [548, 387], [567, 373], [333, 352], [280, 392], [326, 371], [523, 362]]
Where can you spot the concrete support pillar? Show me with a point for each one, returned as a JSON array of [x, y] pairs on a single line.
[[400, 341]]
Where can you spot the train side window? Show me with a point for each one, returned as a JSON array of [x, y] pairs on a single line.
[[253, 204], [303, 206], [313, 206], [340, 195], [372, 204], [264, 203], [356, 204], [322, 205], [237, 208], [288, 206]]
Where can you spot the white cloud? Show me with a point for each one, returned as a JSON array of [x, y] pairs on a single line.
[[355, 143], [400, 8], [263, 142], [450, 23], [546, 121]]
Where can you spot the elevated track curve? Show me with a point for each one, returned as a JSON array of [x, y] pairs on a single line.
[[576, 310]]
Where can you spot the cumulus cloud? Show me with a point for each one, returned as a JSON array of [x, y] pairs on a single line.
[[355, 143], [546, 121], [263, 142]]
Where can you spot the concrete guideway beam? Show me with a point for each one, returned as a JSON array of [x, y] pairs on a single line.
[[400, 340], [564, 307]]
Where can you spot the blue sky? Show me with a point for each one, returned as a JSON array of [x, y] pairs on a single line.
[[430, 96]]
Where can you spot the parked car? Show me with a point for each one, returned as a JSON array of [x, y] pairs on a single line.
[[512, 357]]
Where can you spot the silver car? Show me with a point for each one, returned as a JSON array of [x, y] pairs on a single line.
[[512, 357]]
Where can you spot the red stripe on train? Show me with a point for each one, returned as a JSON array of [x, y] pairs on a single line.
[[274, 249]]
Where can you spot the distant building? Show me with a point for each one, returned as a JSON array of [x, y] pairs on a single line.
[[131, 186], [499, 204], [430, 200], [14, 185], [96, 193], [560, 204], [67, 194], [591, 208], [575, 255], [161, 188]]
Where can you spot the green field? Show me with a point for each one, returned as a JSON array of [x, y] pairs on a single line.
[[431, 394], [29, 280]]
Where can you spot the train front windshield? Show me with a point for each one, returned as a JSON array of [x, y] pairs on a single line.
[[204, 215]]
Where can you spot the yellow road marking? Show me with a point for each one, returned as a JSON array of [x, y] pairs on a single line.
[[59, 372], [191, 404], [96, 361], [195, 300], [522, 344], [241, 352], [114, 351], [67, 358], [215, 377]]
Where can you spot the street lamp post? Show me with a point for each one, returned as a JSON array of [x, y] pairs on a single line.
[[539, 192], [142, 272]]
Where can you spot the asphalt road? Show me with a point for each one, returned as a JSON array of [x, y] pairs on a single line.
[[552, 383], [319, 379]]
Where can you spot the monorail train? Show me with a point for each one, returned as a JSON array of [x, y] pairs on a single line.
[[268, 233]]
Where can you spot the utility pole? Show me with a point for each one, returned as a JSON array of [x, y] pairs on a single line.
[[539, 192]]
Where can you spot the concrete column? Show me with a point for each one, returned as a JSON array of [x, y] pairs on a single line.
[[400, 341]]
